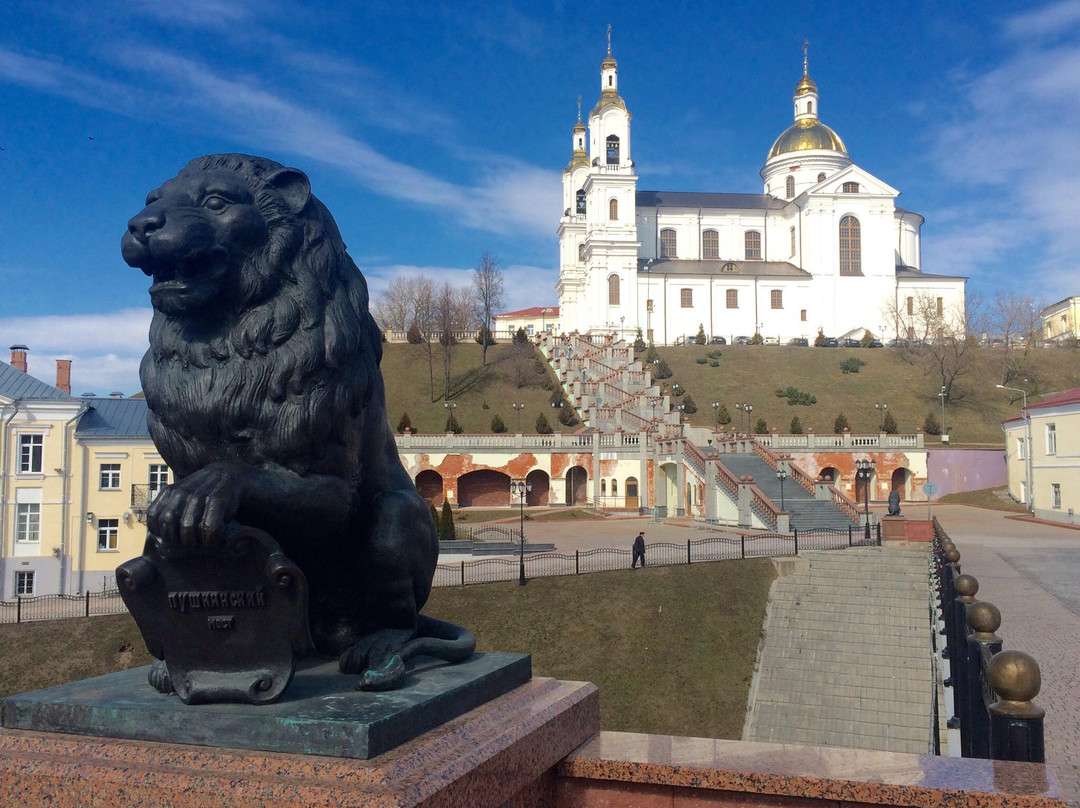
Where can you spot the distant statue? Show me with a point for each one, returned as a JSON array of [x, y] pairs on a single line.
[[266, 400], [894, 503]]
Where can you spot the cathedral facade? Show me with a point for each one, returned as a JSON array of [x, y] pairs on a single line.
[[824, 248]]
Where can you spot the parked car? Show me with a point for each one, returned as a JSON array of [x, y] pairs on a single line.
[[851, 343], [742, 340], [876, 343], [718, 341], [831, 342], [771, 341], [799, 342], [899, 343]]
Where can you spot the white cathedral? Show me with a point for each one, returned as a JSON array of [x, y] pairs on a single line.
[[824, 247]]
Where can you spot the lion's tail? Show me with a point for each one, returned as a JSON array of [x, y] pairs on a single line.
[[439, 639]]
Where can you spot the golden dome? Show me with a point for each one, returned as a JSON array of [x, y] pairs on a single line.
[[608, 98], [808, 133], [578, 158], [579, 127], [805, 85], [608, 62]]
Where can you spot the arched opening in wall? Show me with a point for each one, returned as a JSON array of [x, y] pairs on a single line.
[[789, 187], [577, 486], [901, 481], [831, 474], [689, 497], [850, 246], [614, 293], [429, 484], [809, 107], [614, 488], [613, 210], [612, 150], [541, 488], [667, 494], [581, 201], [581, 251], [485, 488], [860, 488], [631, 492], [603, 487]]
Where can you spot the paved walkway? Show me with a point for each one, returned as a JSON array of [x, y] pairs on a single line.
[[1031, 572], [846, 656]]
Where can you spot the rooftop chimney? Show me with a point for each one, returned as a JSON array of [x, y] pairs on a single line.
[[18, 357], [63, 375]]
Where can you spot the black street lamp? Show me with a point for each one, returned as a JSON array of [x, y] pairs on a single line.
[[519, 408], [521, 489], [716, 415], [781, 475], [864, 470], [881, 415], [450, 415]]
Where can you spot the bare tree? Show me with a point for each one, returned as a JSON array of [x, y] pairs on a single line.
[[1013, 329], [487, 297], [453, 314]]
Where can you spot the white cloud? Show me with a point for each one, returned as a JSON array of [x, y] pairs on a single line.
[[105, 349], [1052, 20]]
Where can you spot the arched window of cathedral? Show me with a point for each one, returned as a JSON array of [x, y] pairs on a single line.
[[667, 243], [729, 267], [792, 242], [613, 210], [581, 201], [789, 187], [581, 251], [733, 298], [612, 150], [614, 488], [821, 177], [752, 239], [603, 487], [613, 290], [710, 244], [809, 106], [850, 188], [850, 246]]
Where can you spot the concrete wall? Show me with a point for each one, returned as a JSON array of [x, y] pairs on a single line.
[[956, 470]]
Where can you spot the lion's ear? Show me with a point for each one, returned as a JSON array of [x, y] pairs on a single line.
[[293, 186]]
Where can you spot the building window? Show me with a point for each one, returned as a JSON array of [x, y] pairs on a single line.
[[809, 107], [529, 329], [1021, 449], [613, 210], [733, 298], [30, 450], [649, 305], [821, 177], [1055, 495], [106, 534], [752, 242], [850, 246], [159, 472], [612, 150], [1051, 439], [581, 201], [28, 522], [802, 315], [667, 243], [850, 188], [24, 583], [729, 267], [911, 305], [777, 297], [581, 251], [614, 488], [710, 244], [793, 242], [686, 298], [789, 187], [109, 478], [940, 306], [603, 488], [613, 290]]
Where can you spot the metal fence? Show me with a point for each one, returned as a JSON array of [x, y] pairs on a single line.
[[992, 690], [487, 570]]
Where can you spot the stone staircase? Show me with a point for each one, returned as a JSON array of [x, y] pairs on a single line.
[[807, 513], [846, 654]]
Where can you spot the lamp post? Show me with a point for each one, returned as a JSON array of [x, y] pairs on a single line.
[[681, 408], [716, 416], [748, 408], [881, 415], [450, 415], [543, 318], [781, 475], [675, 389], [944, 431], [520, 489], [519, 408], [1030, 498], [864, 470]]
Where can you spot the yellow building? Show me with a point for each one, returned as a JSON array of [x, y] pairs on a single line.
[[532, 321], [76, 476], [1061, 320], [1042, 457]]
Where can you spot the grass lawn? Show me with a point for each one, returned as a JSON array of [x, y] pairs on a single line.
[[996, 498], [672, 649], [753, 373]]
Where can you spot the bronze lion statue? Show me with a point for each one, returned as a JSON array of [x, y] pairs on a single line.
[[266, 400]]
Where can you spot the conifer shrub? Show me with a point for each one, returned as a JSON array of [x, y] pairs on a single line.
[[446, 523], [542, 425], [497, 425], [840, 424], [889, 425], [404, 423], [796, 427], [760, 427]]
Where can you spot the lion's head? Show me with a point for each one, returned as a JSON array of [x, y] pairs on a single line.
[[262, 349]]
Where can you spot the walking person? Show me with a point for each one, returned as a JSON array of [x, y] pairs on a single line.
[[639, 550]]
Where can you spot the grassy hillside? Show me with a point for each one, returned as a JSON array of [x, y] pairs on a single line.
[[745, 373]]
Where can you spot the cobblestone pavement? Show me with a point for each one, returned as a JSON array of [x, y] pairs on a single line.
[[1031, 572]]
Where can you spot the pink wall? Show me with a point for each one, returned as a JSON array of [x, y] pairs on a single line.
[[956, 470]]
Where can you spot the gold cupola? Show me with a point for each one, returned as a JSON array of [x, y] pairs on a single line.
[[609, 83], [807, 132], [579, 155]]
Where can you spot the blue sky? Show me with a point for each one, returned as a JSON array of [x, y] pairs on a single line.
[[436, 131]]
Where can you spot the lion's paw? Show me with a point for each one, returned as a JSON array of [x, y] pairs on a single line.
[[377, 658], [194, 512]]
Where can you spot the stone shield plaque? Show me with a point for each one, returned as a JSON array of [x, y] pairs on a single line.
[[228, 624]]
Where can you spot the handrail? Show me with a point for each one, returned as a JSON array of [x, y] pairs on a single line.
[[844, 503]]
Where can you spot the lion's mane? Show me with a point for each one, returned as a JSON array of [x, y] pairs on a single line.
[[281, 375]]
